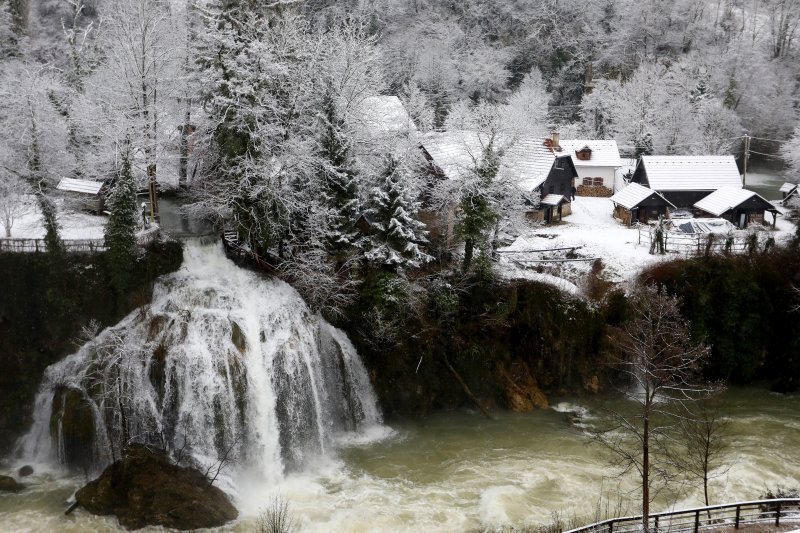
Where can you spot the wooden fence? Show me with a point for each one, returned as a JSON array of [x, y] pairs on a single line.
[[726, 516], [694, 244], [70, 245]]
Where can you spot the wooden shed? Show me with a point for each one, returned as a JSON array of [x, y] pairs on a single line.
[[89, 195], [636, 203], [739, 206]]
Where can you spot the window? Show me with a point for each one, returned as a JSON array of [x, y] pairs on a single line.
[[559, 163], [552, 189], [593, 182], [561, 188]]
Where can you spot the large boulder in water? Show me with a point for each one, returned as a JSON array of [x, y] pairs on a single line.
[[9, 484], [145, 488]]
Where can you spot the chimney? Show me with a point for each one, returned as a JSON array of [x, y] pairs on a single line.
[[555, 137]]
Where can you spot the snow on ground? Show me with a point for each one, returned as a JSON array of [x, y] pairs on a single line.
[[596, 234], [74, 225]]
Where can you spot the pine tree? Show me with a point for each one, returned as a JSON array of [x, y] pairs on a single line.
[[397, 232], [120, 234], [478, 214], [339, 182]]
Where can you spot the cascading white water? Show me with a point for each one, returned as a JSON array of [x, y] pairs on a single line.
[[222, 365]]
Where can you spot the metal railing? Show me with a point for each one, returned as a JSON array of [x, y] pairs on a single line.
[[729, 515]]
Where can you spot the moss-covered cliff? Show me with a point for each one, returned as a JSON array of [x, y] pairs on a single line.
[[43, 307]]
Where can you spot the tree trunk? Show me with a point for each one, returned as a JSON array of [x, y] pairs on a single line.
[[469, 246], [646, 474]]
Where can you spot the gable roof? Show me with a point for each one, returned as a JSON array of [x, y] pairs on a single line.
[[690, 173], [385, 114], [788, 187], [604, 153], [553, 200], [634, 194], [526, 162], [83, 186], [728, 198]]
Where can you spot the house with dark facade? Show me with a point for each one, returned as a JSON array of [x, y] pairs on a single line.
[[685, 180], [736, 205], [635, 204], [545, 174]]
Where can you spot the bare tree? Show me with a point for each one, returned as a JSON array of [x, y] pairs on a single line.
[[660, 363], [13, 203], [703, 443]]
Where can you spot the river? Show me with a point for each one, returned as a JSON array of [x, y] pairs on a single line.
[[457, 471]]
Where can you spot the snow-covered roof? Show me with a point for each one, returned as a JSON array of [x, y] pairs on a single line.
[[456, 153], [553, 199], [788, 187], [633, 195], [691, 173], [604, 153], [83, 186], [386, 114], [725, 199]]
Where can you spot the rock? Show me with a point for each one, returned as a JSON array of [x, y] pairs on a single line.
[[593, 385], [144, 488], [26, 470], [522, 392], [8, 484]]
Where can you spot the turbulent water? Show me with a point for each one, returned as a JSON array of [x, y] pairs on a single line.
[[223, 366], [223, 360]]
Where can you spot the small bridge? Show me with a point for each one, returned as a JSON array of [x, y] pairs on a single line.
[[717, 517]]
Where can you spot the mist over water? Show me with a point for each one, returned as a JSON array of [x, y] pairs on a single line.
[[223, 357]]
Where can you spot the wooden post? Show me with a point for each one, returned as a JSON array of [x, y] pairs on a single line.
[[738, 515], [696, 521], [778, 515]]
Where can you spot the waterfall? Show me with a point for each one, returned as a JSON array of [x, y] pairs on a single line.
[[223, 365]]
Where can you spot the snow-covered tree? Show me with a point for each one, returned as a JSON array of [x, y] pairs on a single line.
[[340, 185], [13, 203], [397, 233], [790, 150], [478, 213], [120, 232]]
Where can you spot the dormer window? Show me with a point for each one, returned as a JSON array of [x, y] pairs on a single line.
[[584, 154], [559, 163]]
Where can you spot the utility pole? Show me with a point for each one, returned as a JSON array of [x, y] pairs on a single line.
[[746, 158]]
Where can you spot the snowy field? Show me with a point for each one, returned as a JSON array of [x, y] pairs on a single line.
[[74, 225], [595, 234]]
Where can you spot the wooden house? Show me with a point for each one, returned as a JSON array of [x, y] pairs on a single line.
[[89, 195], [635, 204], [736, 205], [685, 180], [534, 166], [788, 190], [596, 162]]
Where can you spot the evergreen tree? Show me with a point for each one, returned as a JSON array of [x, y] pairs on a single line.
[[339, 182], [397, 232], [478, 213], [120, 233], [35, 179]]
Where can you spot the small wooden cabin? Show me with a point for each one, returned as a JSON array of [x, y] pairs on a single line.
[[89, 195], [685, 180], [739, 206], [635, 204]]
